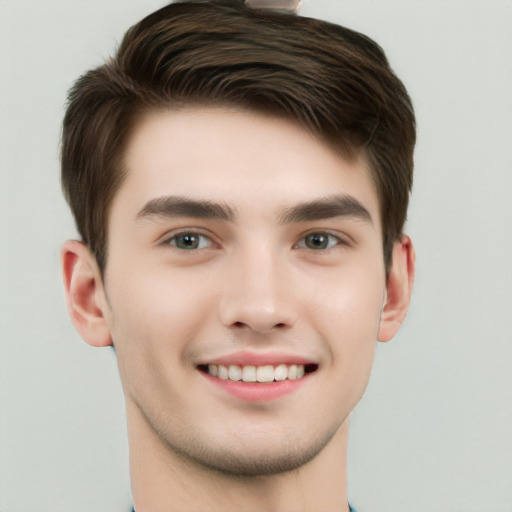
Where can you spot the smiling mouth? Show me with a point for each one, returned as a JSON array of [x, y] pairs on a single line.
[[258, 374]]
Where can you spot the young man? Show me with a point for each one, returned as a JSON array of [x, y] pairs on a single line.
[[240, 181]]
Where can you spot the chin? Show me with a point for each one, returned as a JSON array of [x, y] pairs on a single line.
[[253, 461]]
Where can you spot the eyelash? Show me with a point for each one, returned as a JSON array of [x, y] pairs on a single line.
[[205, 242]]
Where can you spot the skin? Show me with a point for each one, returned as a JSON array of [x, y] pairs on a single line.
[[254, 282]]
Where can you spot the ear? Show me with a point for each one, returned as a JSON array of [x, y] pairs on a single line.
[[398, 289], [85, 294]]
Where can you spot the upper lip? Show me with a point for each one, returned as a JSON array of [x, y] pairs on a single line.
[[254, 358]]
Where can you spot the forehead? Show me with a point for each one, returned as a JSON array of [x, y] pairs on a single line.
[[252, 162]]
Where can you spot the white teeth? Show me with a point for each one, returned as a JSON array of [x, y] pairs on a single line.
[[223, 372], [250, 373], [265, 374], [280, 372], [235, 372]]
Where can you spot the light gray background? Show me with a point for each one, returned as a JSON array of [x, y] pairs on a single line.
[[434, 431]]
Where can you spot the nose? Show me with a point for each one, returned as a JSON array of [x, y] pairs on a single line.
[[258, 295]]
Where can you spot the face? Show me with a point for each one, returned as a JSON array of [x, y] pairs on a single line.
[[243, 288]]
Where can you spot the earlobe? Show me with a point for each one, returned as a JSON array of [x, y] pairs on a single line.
[[84, 293], [398, 289]]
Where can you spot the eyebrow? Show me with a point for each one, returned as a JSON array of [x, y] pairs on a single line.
[[326, 208], [318, 209], [175, 206]]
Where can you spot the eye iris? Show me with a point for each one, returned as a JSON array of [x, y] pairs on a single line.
[[317, 241], [188, 241]]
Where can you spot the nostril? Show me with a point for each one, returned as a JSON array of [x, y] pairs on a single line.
[[240, 325]]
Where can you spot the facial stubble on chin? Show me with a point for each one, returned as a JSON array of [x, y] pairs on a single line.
[[234, 463]]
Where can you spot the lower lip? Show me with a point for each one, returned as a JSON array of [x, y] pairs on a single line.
[[256, 391]]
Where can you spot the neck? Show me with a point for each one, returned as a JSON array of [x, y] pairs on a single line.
[[164, 481]]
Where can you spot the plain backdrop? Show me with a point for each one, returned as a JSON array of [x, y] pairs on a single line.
[[434, 431]]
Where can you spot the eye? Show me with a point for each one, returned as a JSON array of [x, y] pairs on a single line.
[[190, 241], [318, 241]]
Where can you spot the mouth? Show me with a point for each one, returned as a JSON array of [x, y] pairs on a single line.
[[263, 374]]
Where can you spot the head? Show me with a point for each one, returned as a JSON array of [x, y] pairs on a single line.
[[240, 181], [333, 82]]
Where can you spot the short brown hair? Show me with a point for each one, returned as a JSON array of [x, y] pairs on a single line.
[[333, 81]]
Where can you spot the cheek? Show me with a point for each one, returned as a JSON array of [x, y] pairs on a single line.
[[346, 313], [351, 326], [350, 300], [153, 318]]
